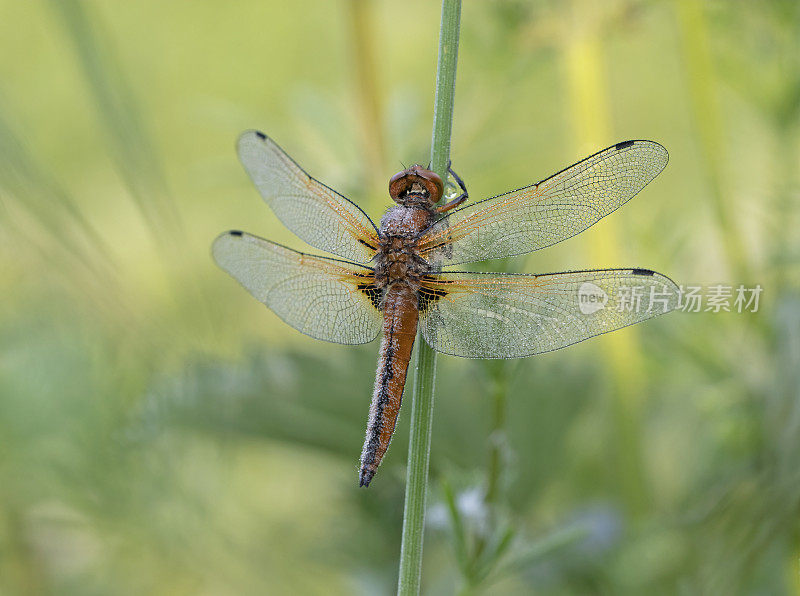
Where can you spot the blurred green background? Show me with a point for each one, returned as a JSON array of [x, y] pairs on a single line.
[[161, 432]]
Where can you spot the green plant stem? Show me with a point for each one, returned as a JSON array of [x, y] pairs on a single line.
[[425, 378], [445, 86]]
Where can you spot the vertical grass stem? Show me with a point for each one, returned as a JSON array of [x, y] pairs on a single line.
[[425, 377]]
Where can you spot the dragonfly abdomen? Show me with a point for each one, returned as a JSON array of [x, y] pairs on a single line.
[[399, 330]]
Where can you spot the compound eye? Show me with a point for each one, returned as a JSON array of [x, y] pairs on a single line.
[[433, 183], [399, 184]]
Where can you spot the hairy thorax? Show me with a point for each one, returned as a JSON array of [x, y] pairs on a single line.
[[398, 260]]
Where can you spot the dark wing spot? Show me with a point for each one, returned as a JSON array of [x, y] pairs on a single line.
[[261, 135], [370, 290], [367, 244], [642, 272], [235, 232], [427, 297], [623, 145]]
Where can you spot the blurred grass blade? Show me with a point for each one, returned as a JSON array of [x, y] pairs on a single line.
[[536, 551], [24, 182], [493, 553], [701, 78], [459, 537], [368, 97], [133, 149], [118, 110], [586, 74]]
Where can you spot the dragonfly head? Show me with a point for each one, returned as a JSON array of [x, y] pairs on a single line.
[[416, 186]]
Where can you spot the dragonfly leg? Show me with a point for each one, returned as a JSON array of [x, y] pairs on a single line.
[[460, 198]]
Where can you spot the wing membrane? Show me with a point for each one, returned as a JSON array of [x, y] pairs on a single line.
[[550, 211], [489, 315], [317, 214], [325, 298]]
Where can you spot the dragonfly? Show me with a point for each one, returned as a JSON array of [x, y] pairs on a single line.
[[396, 279]]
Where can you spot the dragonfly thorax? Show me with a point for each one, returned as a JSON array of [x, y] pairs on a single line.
[[399, 262], [398, 259], [406, 222]]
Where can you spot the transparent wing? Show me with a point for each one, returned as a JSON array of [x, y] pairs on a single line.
[[325, 298], [489, 315], [556, 208], [317, 214]]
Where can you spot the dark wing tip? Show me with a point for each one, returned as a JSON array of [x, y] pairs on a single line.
[[249, 136], [659, 163], [654, 144], [643, 142], [642, 272]]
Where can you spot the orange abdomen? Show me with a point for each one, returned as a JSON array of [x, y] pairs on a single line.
[[400, 314]]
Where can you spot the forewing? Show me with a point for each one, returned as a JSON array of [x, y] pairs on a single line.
[[317, 214], [325, 298], [553, 210], [477, 315]]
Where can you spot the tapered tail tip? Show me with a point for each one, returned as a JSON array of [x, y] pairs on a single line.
[[365, 477]]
